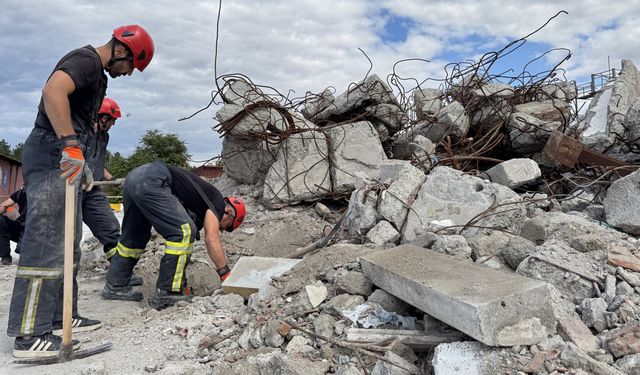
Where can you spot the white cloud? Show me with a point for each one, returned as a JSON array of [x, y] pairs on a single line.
[[289, 45]]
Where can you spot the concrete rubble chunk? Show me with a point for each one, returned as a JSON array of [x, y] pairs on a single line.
[[391, 115], [354, 282], [427, 102], [577, 358], [593, 310], [630, 277], [529, 134], [300, 172], [565, 91], [494, 307], [629, 364], [465, 358], [383, 233], [626, 88], [299, 344], [625, 341], [455, 245], [397, 199], [578, 201], [450, 120], [342, 302], [323, 325], [317, 104], [363, 212], [277, 363], [554, 260], [621, 202], [250, 274], [364, 156], [448, 194], [246, 161], [271, 335], [242, 93], [389, 302], [370, 91], [317, 293], [577, 332], [514, 172], [385, 368], [546, 110], [632, 121], [579, 233]]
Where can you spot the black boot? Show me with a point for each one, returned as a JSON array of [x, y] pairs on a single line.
[[122, 293], [162, 299]]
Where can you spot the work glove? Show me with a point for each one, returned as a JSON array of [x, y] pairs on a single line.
[[73, 165], [224, 272]]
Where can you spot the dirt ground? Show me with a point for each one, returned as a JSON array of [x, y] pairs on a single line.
[[142, 337]]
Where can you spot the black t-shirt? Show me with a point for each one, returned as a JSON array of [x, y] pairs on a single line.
[[20, 197], [182, 187], [84, 67]]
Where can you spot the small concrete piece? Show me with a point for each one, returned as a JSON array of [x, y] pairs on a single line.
[[317, 293], [491, 306], [621, 203], [577, 358], [252, 273], [363, 213], [514, 172], [427, 102], [625, 341], [389, 302], [465, 358], [323, 325], [397, 199], [529, 134], [629, 364], [593, 310], [577, 332], [455, 245], [451, 120], [353, 282], [383, 233]]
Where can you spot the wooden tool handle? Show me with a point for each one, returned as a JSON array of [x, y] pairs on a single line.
[[69, 235]]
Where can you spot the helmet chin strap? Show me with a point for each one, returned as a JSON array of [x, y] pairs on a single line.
[[113, 60]]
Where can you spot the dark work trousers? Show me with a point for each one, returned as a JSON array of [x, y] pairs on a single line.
[[148, 202], [10, 230], [100, 219], [37, 292]]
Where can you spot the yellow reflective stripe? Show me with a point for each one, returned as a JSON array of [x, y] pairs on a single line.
[[36, 272], [31, 306], [129, 253], [182, 249], [177, 277], [177, 245], [111, 252], [179, 252]]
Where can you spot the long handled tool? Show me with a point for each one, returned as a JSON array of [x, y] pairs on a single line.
[[66, 353]]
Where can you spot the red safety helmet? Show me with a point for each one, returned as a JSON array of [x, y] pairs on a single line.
[[241, 211], [138, 40], [110, 107]]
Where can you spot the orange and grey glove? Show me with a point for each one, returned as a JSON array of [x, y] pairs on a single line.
[[224, 272], [73, 165]]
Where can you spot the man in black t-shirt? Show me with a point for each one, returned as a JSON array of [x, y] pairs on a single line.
[[11, 229], [56, 148], [178, 204]]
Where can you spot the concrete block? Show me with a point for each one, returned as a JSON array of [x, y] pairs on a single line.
[[494, 307], [427, 102], [514, 172], [363, 212], [250, 274], [465, 358], [383, 233], [397, 199], [622, 202], [578, 333]]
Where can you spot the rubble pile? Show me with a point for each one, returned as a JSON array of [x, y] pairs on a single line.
[[463, 248]]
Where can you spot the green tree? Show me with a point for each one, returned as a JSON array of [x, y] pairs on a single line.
[[156, 146], [117, 165], [5, 148], [17, 151]]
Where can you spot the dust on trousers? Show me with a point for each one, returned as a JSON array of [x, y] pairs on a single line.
[[148, 202]]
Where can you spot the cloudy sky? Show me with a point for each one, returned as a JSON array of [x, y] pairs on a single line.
[[303, 45]]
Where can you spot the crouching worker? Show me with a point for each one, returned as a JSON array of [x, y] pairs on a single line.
[[161, 196]]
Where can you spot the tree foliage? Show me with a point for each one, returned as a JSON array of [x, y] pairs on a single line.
[[15, 152], [153, 146]]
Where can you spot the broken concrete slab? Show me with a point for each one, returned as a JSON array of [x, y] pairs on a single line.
[[621, 202], [528, 134], [563, 90], [465, 358], [317, 104], [491, 306], [396, 200], [553, 260], [301, 170], [364, 156], [246, 161], [580, 233], [449, 194], [391, 115], [547, 110], [370, 91], [577, 332], [418, 340], [383, 233], [250, 274], [626, 88], [427, 102], [514, 172], [577, 358], [625, 340]]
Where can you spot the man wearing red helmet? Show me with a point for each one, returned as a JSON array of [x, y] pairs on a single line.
[[178, 204], [96, 212], [57, 147]]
